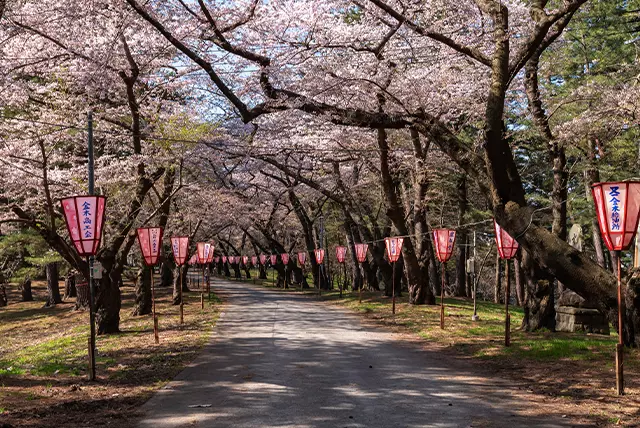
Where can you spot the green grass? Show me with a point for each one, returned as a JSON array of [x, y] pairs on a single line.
[[63, 355]]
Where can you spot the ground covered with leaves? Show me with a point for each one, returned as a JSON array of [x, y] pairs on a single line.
[[573, 371], [43, 359]]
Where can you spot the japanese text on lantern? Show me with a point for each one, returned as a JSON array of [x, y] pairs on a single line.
[[87, 221], [154, 242], [614, 193]]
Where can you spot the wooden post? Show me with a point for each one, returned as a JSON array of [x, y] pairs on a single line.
[[507, 316], [153, 306], [202, 288], [620, 344], [393, 289], [442, 297], [180, 294]]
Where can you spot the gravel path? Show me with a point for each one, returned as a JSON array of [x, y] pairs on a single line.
[[284, 360]]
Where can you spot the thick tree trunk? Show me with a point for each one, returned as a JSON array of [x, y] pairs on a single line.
[[4, 301], [25, 290], [539, 308], [143, 302], [53, 285], [166, 274], [262, 272], [108, 302], [236, 271], [70, 285]]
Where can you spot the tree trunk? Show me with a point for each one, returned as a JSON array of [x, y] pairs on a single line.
[[176, 278], [591, 176], [108, 301], [418, 283], [53, 285], [262, 271], [25, 289], [539, 308], [519, 280], [166, 274], [143, 302], [70, 286], [461, 248], [497, 287], [236, 271]]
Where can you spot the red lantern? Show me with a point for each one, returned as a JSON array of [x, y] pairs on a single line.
[[302, 258], [274, 259], [254, 260], [193, 260], [285, 258], [341, 253], [245, 260], [84, 216], [224, 259], [444, 240], [319, 253], [507, 246], [394, 248], [150, 240], [617, 208], [361, 252], [217, 259], [263, 259], [180, 248]]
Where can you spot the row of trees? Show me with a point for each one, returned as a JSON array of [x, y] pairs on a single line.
[[253, 122]]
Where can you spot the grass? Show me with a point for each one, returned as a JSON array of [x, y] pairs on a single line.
[[43, 358]]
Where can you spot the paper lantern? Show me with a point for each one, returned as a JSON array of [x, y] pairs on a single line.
[[394, 248], [361, 252], [254, 260], [444, 240], [245, 260], [193, 260], [285, 258], [341, 253], [211, 252], [507, 246], [150, 240], [319, 253], [203, 250], [217, 259], [180, 249], [224, 259], [84, 216], [274, 259], [302, 258], [617, 208], [263, 259]]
